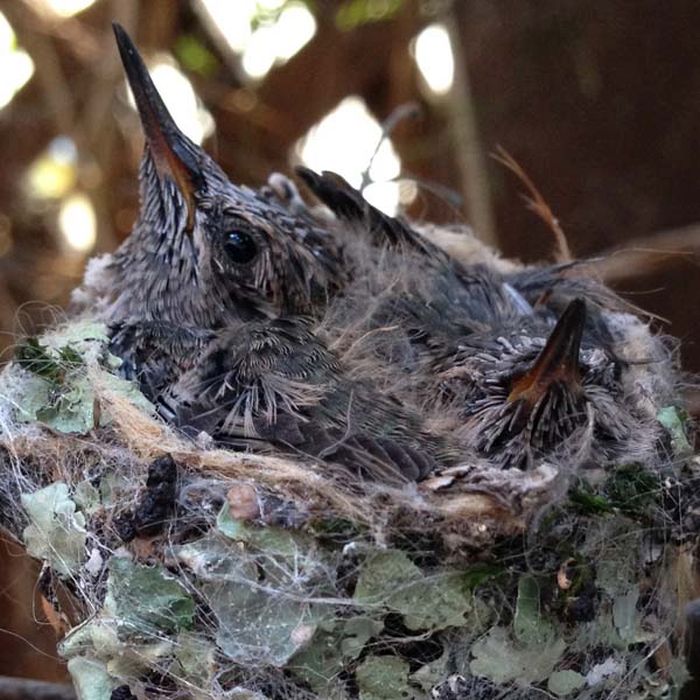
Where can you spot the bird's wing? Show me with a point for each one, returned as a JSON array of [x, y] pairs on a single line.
[[557, 285], [348, 204], [274, 383], [155, 352], [473, 293]]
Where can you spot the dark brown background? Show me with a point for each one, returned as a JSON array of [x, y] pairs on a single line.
[[599, 102]]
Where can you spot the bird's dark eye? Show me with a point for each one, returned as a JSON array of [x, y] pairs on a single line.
[[240, 247]]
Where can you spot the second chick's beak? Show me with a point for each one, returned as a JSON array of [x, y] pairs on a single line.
[[558, 361], [173, 153]]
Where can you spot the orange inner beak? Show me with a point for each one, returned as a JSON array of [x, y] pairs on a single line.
[[559, 359]]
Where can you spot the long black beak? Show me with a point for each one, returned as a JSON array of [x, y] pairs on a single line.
[[559, 359], [173, 153]]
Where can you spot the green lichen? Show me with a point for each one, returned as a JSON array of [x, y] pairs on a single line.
[[147, 600], [53, 381], [384, 678], [56, 533], [388, 579], [674, 420]]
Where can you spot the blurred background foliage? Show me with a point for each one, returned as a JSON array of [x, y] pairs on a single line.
[[598, 102]]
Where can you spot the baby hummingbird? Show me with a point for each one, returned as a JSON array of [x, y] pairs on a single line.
[[203, 252], [210, 299], [514, 364], [528, 392]]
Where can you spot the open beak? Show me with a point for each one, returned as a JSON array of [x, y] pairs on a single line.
[[172, 152], [559, 359]]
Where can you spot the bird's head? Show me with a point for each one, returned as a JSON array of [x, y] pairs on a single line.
[[533, 392], [203, 249]]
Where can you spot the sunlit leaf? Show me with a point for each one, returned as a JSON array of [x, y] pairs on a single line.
[[354, 13], [195, 56]]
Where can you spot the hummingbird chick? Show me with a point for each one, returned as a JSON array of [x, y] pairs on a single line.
[[210, 300], [403, 296], [203, 253], [482, 337], [525, 394], [273, 382]]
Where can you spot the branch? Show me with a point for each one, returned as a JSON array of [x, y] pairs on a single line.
[[28, 689], [464, 126], [645, 254], [56, 91]]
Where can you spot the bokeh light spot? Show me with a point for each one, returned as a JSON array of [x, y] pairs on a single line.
[[53, 174], [344, 141], [77, 222], [64, 8], [433, 54], [16, 66], [262, 42]]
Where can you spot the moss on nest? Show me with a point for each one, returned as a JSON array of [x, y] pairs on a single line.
[[229, 575]]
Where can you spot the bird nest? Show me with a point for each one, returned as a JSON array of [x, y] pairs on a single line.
[[173, 568]]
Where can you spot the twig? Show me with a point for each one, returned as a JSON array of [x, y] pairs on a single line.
[[465, 135], [645, 254], [55, 89], [408, 110], [28, 689], [537, 204], [95, 131]]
